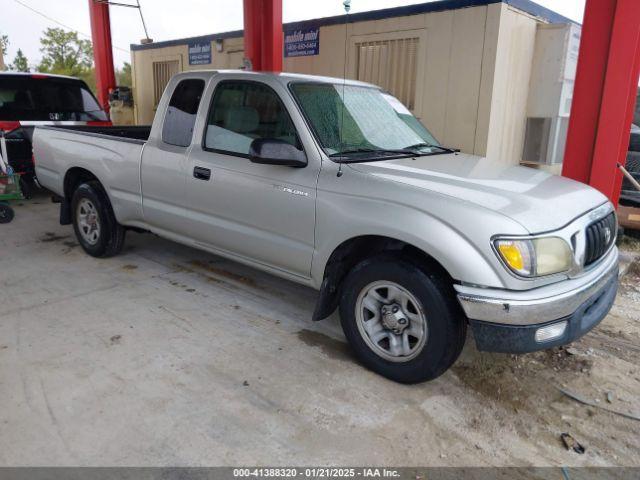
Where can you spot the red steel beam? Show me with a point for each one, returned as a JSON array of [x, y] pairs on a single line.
[[253, 33], [263, 38], [102, 51], [587, 92], [604, 94], [272, 41], [620, 90], [631, 107]]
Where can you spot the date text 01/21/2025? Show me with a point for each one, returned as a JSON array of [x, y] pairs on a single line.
[[315, 472]]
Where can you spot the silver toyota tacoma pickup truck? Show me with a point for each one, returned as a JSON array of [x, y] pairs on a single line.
[[336, 185]]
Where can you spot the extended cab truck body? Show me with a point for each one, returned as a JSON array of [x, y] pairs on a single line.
[[337, 186]]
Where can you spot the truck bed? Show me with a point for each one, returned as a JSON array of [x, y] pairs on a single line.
[[138, 132], [111, 154]]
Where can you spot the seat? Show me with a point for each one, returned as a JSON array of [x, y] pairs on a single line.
[[241, 119]]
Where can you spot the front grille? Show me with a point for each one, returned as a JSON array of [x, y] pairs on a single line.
[[600, 236]]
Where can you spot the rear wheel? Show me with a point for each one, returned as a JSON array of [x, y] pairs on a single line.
[[401, 322], [6, 213], [97, 230], [26, 188]]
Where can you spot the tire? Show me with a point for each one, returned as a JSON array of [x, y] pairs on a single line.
[[633, 162], [6, 213], [26, 188], [426, 357], [91, 208], [634, 142]]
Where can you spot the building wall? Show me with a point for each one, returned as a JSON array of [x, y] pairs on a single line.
[[510, 89], [473, 67], [142, 70]]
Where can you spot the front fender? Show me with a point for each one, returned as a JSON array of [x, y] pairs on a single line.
[[456, 234]]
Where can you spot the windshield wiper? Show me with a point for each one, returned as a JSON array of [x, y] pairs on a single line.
[[375, 151], [384, 153], [430, 145]]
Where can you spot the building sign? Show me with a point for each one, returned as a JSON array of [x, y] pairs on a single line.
[[200, 53], [302, 43]]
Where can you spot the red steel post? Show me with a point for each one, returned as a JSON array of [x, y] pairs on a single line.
[[263, 39], [272, 42], [102, 51], [585, 109], [630, 113], [253, 33], [620, 90], [604, 94]]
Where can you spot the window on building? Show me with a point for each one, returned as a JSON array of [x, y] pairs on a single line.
[[391, 64], [180, 119], [162, 73], [244, 111]]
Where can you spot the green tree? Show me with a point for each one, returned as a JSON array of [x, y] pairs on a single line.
[[4, 44], [64, 53], [20, 63], [123, 75]]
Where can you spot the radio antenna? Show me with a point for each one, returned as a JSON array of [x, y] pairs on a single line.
[[347, 7]]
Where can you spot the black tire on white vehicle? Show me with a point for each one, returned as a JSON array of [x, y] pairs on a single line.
[[95, 225], [419, 330]]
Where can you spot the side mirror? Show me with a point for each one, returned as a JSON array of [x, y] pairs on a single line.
[[271, 151]]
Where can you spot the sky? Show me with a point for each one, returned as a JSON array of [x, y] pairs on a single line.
[[169, 19]]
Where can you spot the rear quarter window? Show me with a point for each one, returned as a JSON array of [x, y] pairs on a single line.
[[180, 118]]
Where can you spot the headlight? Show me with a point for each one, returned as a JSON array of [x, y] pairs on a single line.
[[535, 257]]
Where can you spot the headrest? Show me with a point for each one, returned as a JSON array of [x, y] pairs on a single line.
[[241, 119]]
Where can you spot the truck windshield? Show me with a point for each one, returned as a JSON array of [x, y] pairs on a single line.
[[357, 123], [43, 98]]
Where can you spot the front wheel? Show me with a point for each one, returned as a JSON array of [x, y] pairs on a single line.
[[97, 230], [401, 322]]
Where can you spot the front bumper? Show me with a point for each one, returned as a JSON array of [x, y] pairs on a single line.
[[509, 322]]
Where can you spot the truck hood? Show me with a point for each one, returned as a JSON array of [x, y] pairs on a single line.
[[538, 200]]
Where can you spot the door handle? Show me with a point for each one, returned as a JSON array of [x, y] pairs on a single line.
[[201, 173]]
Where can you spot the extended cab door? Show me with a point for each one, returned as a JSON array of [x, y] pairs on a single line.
[[164, 163], [262, 213]]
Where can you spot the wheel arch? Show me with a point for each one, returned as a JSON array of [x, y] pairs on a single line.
[[73, 178], [356, 249]]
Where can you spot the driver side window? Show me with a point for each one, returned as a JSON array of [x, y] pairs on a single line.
[[243, 111]]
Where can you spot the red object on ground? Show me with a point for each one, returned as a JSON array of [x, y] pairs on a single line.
[[102, 51], [604, 94], [263, 37]]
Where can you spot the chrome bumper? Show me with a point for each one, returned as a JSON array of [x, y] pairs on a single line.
[[539, 305]]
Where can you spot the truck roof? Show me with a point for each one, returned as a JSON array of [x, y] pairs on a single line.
[[37, 74], [284, 77]]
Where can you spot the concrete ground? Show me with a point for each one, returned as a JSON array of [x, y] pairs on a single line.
[[166, 355]]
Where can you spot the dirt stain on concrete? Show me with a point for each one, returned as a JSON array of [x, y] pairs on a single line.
[[129, 267], [224, 273], [329, 346], [52, 237]]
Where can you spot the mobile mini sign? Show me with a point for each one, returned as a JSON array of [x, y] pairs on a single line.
[[302, 42], [200, 53]]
